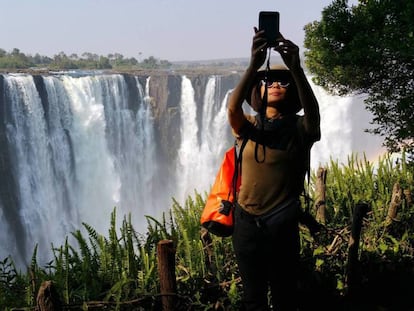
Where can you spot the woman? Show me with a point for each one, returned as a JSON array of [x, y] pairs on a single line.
[[274, 163]]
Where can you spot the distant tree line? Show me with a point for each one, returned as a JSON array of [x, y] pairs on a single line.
[[18, 60]]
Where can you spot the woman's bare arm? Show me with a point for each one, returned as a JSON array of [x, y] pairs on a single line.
[[290, 55], [258, 56]]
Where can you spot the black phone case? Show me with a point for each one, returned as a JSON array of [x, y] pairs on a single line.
[[269, 22]]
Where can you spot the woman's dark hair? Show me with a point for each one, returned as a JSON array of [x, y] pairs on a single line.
[[292, 101]]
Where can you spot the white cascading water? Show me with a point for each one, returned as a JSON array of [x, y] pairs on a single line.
[[144, 161], [343, 123], [215, 133], [97, 182], [198, 159], [189, 149], [90, 152], [80, 162], [38, 192]]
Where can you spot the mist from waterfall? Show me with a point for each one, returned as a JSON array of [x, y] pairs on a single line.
[[343, 124]]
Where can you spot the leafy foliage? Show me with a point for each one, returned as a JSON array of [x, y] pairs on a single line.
[[121, 268], [14, 59], [368, 48]]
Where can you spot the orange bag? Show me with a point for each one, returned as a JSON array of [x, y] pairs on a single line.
[[217, 216]]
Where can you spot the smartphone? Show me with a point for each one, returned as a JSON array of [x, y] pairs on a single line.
[[269, 22]]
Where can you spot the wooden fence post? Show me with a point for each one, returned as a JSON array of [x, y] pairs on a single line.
[[396, 200], [320, 186], [353, 277], [208, 250], [48, 298], [407, 197], [166, 273]]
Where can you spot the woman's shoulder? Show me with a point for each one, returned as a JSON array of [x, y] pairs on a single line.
[[251, 118], [248, 125]]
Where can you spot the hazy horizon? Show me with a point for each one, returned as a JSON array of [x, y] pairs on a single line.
[[171, 30]]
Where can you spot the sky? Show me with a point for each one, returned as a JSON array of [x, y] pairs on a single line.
[[173, 30]]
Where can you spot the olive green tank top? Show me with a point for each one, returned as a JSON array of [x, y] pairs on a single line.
[[274, 162]]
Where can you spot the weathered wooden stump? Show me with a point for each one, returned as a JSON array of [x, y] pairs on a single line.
[[353, 278], [320, 189], [208, 250], [166, 273], [395, 204], [48, 298], [407, 196]]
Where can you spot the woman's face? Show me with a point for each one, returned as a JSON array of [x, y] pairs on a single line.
[[276, 91]]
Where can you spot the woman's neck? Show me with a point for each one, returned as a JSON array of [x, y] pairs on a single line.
[[273, 113]]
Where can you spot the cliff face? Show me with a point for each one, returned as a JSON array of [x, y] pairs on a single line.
[[165, 98]]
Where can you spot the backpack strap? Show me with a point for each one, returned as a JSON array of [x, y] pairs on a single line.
[[305, 193], [262, 112], [237, 165]]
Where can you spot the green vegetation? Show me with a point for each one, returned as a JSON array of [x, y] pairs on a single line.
[[18, 60], [121, 268], [368, 48]]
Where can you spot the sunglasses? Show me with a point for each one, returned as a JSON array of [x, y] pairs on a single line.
[[270, 83]]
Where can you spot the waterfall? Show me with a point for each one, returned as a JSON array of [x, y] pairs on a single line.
[[75, 147], [26, 132], [97, 182], [188, 152], [215, 133], [146, 168], [198, 159], [76, 153]]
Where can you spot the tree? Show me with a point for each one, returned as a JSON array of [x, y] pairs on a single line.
[[150, 63], [14, 60], [74, 56], [62, 61], [15, 52], [368, 48], [103, 63]]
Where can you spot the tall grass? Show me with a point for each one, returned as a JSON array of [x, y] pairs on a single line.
[[362, 181]]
